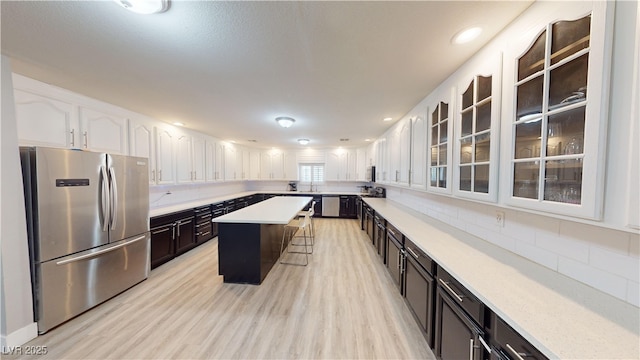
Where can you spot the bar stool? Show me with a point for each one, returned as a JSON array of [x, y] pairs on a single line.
[[312, 228], [295, 225]]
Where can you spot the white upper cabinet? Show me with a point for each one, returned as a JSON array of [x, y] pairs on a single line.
[[290, 165], [214, 164], [440, 129], [340, 165], [404, 148], [44, 121], [103, 132], [556, 109], [381, 159], [165, 155], [190, 158], [361, 164], [477, 124], [254, 164], [418, 164], [142, 144], [272, 165], [230, 160]]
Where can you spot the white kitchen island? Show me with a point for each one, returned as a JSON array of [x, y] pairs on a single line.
[[249, 238]]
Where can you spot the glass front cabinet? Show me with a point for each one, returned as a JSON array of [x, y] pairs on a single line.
[[555, 112], [439, 159], [477, 122]]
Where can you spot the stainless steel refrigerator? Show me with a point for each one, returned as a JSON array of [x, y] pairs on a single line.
[[88, 227]]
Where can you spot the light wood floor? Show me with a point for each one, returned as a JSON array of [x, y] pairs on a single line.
[[343, 305]]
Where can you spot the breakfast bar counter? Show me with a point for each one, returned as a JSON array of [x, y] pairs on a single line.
[[249, 238]]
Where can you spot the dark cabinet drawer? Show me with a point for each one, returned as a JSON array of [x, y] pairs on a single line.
[[464, 298], [509, 344], [217, 206], [419, 256]]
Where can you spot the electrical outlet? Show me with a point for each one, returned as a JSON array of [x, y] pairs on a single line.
[[500, 218]]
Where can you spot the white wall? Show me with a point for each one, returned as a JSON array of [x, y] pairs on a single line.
[[16, 310], [603, 254]]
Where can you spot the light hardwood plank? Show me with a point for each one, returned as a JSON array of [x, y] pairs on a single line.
[[343, 305]]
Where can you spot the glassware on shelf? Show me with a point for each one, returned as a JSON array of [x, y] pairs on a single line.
[[571, 194], [573, 147]]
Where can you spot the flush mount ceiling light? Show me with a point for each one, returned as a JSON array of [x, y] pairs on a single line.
[[303, 141], [387, 119], [285, 121], [178, 123], [145, 6], [466, 35]]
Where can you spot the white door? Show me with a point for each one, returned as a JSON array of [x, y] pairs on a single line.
[[44, 121], [103, 132]]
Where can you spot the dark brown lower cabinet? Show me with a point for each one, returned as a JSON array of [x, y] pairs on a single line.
[[171, 235], [460, 318], [162, 245], [380, 236], [395, 255], [419, 288]]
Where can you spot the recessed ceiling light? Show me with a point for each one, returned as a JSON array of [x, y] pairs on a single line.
[[466, 35], [285, 121], [367, 140], [178, 123], [387, 119], [303, 141], [145, 6]]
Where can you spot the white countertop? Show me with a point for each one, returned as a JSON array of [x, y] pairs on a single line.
[[277, 210], [162, 210], [562, 317]]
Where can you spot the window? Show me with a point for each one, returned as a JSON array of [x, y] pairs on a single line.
[[311, 173]]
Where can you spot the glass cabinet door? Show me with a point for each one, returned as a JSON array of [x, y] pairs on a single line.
[[439, 149], [476, 126], [558, 121]]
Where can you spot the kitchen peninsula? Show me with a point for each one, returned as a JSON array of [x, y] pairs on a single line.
[[249, 238]]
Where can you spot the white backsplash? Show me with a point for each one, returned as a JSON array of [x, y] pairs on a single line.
[[167, 195], [606, 259]]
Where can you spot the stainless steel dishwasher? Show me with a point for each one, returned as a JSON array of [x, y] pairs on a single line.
[[330, 206]]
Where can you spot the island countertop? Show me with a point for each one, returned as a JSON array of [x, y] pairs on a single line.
[[276, 210]]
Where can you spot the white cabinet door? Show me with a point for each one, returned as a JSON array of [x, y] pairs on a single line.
[[404, 148], [165, 156], [440, 126], [254, 165], [361, 164], [184, 172], [272, 165], [141, 144], [219, 162], [277, 165], [555, 112], [198, 158], [418, 151], [230, 162], [332, 166], [103, 132], [210, 158], [290, 165], [477, 121], [44, 121], [246, 164]]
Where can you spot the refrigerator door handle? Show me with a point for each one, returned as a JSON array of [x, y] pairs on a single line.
[[104, 193], [97, 253], [114, 197]]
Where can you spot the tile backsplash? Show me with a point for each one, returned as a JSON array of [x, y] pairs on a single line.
[[603, 258]]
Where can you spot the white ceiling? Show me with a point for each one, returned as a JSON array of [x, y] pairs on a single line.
[[229, 68]]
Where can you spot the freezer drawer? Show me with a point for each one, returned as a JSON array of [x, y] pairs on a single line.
[[70, 285]]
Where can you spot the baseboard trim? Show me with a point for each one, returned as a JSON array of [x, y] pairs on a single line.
[[20, 336]]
